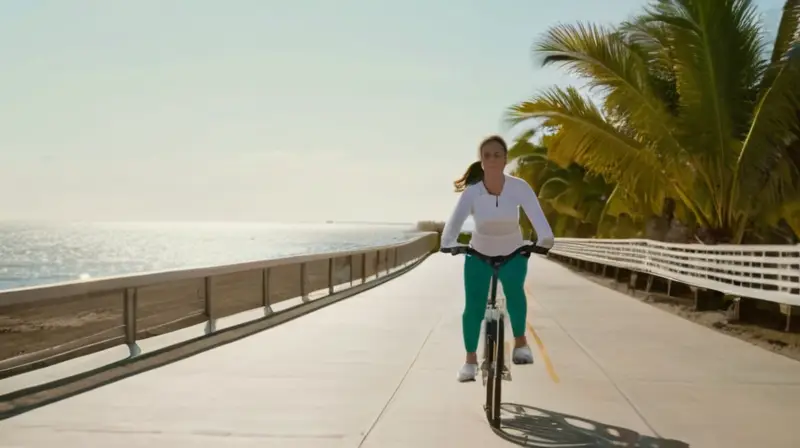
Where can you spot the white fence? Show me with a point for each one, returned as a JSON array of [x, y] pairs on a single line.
[[766, 272]]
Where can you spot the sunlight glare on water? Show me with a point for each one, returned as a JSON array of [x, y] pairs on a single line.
[[36, 254]]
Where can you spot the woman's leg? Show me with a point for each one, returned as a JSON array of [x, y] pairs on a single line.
[[512, 277], [477, 277]]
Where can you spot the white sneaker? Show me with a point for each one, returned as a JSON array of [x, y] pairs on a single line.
[[467, 372], [522, 355]]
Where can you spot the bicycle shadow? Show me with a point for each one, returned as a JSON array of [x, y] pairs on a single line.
[[534, 427]]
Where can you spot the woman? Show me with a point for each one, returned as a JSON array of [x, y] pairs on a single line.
[[492, 198]]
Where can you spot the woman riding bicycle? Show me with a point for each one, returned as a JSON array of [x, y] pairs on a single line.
[[493, 199]]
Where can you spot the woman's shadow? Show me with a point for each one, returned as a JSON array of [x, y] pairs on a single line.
[[539, 428]]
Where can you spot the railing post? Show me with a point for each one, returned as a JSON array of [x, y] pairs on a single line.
[[211, 324], [352, 278], [330, 275], [129, 316], [265, 291], [363, 267], [377, 263], [303, 281]]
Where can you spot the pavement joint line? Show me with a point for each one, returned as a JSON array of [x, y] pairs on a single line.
[[604, 372], [400, 383]]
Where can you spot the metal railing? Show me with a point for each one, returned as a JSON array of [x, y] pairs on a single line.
[[40, 326]]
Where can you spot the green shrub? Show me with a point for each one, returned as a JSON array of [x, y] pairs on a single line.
[[430, 226]]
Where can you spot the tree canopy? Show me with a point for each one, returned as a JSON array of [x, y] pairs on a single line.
[[696, 135]]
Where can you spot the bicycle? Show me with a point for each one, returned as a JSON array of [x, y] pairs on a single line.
[[494, 318]]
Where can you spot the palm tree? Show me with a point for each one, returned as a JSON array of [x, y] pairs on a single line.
[[690, 112]]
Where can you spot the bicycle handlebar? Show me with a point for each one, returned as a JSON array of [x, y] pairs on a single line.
[[525, 251]]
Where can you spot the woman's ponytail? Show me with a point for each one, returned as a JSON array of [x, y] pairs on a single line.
[[473, 175]]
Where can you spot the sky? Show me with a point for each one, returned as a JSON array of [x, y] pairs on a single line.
[[261, 110]]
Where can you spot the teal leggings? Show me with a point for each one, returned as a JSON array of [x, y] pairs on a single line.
[[477, 281]]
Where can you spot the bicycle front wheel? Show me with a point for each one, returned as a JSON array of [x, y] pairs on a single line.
[[490, 350], [498, 375]]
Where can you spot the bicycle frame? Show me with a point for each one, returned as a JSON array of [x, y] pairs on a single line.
[[493, 368]]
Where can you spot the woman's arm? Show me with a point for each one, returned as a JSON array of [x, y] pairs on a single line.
[[532, 208], [453, 225]]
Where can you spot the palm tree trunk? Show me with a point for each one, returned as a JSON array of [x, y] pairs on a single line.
[[658, 227], [715, 236]]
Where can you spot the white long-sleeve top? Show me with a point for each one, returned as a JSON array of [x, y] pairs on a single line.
[[497, 230]]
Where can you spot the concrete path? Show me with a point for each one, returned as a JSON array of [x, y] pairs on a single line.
[[378, 371]]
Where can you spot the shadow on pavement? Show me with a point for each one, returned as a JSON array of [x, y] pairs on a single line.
[[539, 428]]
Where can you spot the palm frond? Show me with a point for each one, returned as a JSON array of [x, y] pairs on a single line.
[[786, 40], [524, 148], [765, 173], [602, 57], [790, 213], [718, 47], [587, 138], [788, 30], [553, 188]]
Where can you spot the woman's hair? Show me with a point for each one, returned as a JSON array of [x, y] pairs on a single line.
[[474, 173]]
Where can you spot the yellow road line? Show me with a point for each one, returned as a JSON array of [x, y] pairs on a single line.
[[547, 363], [543, 351]]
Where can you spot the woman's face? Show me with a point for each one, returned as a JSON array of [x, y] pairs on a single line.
[[493, 157]]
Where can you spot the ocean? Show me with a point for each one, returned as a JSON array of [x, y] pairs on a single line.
[[40, 254]]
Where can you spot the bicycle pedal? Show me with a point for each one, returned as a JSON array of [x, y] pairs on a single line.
[[506, 375]]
